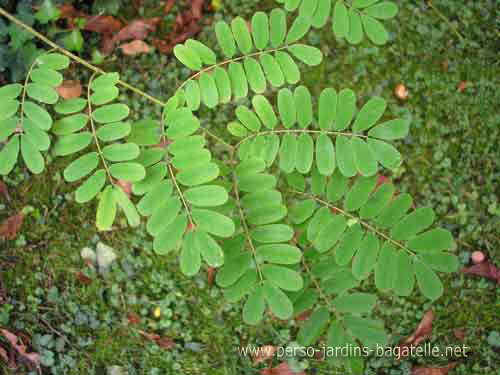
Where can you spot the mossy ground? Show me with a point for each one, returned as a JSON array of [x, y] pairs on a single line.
[[451, 162]]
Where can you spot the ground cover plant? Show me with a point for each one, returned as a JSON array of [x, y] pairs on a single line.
[[287, 202]]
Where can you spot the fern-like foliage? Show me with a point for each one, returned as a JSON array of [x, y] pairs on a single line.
[[351, 20], [295, 218]]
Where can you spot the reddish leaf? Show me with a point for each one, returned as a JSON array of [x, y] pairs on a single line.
[[432, 370], [485, 269], [211, 275], [264, 353], [134, 48], [70, 89], [162, 342], [32, 358], [138, 29], [3, 190], [102, 24], [133, 318], [282, 369], [82, 278], [10, 227], [196, 8], [423, 331]]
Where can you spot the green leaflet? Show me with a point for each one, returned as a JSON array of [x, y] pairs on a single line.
[[198, 175], [385, 269], [390, 130], [112, 132], [67, 107], [273, 233], [364, 157], [327, 111], [127, 206], [442, 262], [192, 95], [359, 193], [272, 70], [188, 57], [81, 167], [302, 211], [322, 13], [45, 76], [233, 269], [356, 303], [336, 187], [346, 108], [260, 30], [248, 118], [8, 108], [385, 153], [359, 4], [395, 211], [255, 75], [37, 114], [190, 258], [91, 187], [206, 196], [308, 55], [145, 132], [305, 145], [282, 277], [355, 34], [377, 201], [165, 213], [206, 55], [8, 127], [208, 89], [223, 84], [106, 210], [10, 92], [225, 39], [278, 27], [432, 241], [308, 8], [213, 222], [210, 250], [371, 112], [104, 81], [42, 93], [242, 35], [278, 302], [314, 327], [325, 155], [170, 237], [345, 156], [374, 30], [288, 153], [303, 100], [299, 28], [239, 81], [366, 257], [286, 107], [70, 124], [154, 175], [413, 223], [370, 332], [54, 61], [349, 244], [330, 234], [39, 138], [265, 111], [279, 253], [121, 152], [70, 144], [340, 282], [110, 113], [404, 279], [255, 306], [288, 67], [427, 280], [104, 95], [242, 287], [383, 10], [32, 157], [154, 197], [182, 123], [340, 20], [131, 172]]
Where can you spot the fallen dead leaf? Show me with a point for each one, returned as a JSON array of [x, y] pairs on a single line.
[[211, 271], [10, 227], [4, 191], [138, 29], [135, 47], [31, 358], [70, 89], [433, 370], [264, 353], [162, 342], [282, 369], [102, 24], [485, 269], [82, 278], [423, 331]]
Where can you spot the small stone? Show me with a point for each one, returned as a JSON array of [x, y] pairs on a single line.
[[105, 256], [116, 370], [88, 255], [478, 257]]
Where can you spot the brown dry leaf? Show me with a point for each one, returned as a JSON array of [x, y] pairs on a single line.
[[423, 331], [31, 358], [70, 89], [432, 370], [197, 8], [102, 24], [282, 369], [162, 342], [485, 269], [82, 278], [138, 29], [3, 190], [264, 353], [133, 318], [135, 47], [10, 227]]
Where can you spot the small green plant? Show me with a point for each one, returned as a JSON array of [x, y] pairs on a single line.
[[291, 212]]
